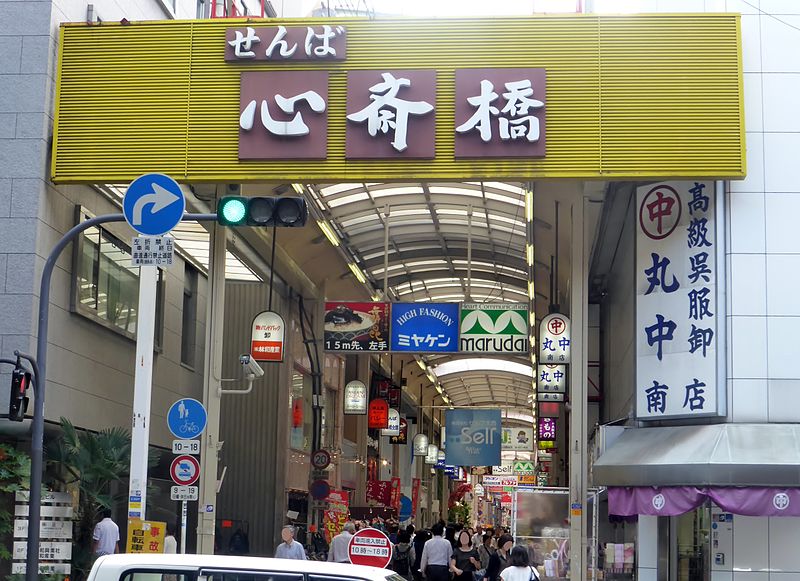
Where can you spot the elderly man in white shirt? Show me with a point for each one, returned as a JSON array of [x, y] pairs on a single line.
[[338, 553]]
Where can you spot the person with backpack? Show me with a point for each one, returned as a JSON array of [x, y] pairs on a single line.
[[403, 555]]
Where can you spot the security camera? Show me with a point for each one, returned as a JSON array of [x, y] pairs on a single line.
[[250, 366]]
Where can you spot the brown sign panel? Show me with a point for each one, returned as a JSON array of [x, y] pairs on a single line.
[[282, 43], [391, 114], [500, 113], [283, 115]]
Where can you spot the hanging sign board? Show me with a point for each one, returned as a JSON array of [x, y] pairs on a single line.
[[425, 327], [549, 397], [677, 311], [356, 327], [517, 439], [473, 437], [267, 337], [393, 424], [555, 338], [494, 328], [355, 399], [551, 378], [420, 444], [402, 437], [378, 414], [547, 429]]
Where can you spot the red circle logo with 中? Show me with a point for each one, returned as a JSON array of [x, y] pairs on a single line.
[[370, 547], [185, 470], [660, 212], [556, 325]]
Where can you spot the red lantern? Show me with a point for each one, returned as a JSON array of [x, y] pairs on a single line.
[[378, 414], [297, 412]]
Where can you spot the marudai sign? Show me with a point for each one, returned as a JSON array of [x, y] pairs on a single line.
[[494, 328]]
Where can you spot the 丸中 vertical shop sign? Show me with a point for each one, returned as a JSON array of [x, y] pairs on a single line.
[[677, 311], [555, 339]]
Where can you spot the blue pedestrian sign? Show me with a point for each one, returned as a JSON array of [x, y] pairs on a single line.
[[153, 204], [186, 418]]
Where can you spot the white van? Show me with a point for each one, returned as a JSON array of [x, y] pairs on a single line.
[[128, 567]]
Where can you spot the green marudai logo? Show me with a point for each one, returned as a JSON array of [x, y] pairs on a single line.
[[494, 328]]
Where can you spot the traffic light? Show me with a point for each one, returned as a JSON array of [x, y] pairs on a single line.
[[280, 211], [20, 380]]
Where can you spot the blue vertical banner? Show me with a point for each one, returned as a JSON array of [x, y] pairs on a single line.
[[473, 437]]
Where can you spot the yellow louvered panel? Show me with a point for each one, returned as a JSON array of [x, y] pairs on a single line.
[[627, 97]]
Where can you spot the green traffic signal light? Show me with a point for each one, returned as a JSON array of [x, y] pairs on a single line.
[[232, 211], [280, 211]]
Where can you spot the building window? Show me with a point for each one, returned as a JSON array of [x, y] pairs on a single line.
[[106, 286], [189, 316]]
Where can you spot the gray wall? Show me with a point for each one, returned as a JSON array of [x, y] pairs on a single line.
[[254, 426], [617, 314]]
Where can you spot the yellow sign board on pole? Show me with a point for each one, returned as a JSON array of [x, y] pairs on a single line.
[[145, 536]]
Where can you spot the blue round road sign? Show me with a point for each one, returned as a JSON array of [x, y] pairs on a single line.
[[153, 204], [186, 418], [320, 489]]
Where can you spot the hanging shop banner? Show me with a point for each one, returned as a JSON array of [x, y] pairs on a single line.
[[473, 437], [355, 399], [394, 397], [336, 516], [356, 327], [677, 311], [548, 396], [303, 100], [402, 437], [415, 483], [379, 491], [547, 445], [397, 493], [145, 536], [393, 424], [517, 439], [494, 328], [551, 378], [547, 429], [266, 339], [549, 409], [420, 445], [555, 338], [523, 468], [378, 416], [425, 327]]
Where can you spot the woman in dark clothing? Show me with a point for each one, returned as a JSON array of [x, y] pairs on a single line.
[[465, 561], [420, 539], [498, 561], [450, 535]]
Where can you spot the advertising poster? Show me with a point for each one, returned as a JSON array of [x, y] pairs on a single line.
[[356, 327], [518, 439], [145, 536], [494, 328], [425, 327], [334, 519], [473, 437]]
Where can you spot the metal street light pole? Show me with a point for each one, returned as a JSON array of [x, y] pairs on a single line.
[[37, 430]]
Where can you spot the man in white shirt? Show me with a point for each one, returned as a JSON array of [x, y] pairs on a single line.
[[338, 553], [435, 562], [106, 536]]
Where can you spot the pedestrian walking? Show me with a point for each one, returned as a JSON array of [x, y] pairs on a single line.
[[403, 555], [499, 561], [338, 551], [435, 562], [289, 548], [420, 539], [464, 561], [105, 539], [520, 568]]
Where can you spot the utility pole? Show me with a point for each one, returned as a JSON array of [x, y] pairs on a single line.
[[212, 372], [579, 313]]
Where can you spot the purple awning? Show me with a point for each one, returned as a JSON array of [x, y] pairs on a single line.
[[675, 500]]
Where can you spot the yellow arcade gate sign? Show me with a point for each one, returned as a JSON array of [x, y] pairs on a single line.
[[584, 96]]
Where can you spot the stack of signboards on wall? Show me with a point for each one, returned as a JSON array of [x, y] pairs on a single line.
[[55, 549]]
